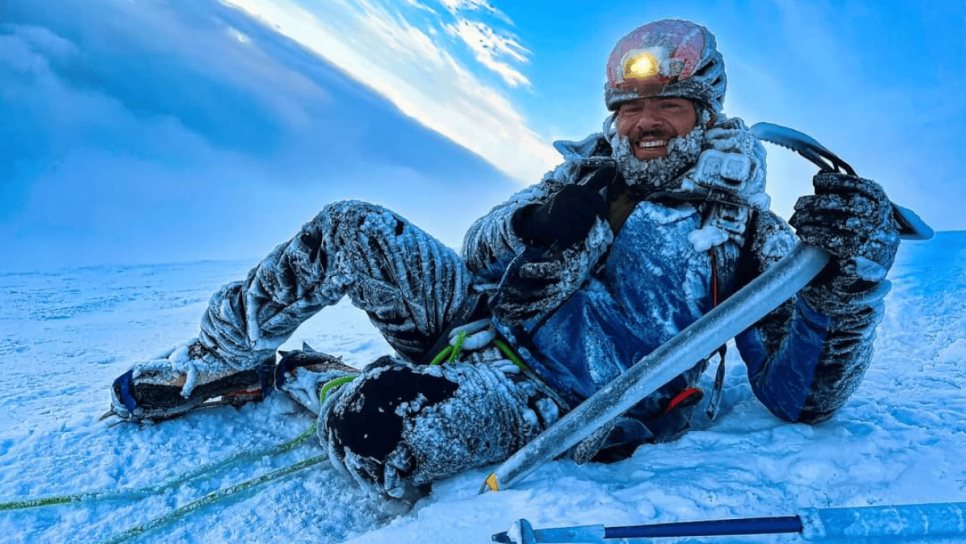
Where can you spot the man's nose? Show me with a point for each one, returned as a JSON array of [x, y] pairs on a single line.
[[649, 119]]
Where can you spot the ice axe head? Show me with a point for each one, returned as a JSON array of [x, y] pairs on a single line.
[[911, 226]]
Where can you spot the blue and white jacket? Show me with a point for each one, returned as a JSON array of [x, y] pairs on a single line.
[[623, 294]]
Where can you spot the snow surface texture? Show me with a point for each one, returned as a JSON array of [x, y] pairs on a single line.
[[66, 334]]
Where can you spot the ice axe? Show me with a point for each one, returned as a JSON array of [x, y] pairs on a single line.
[[743, 309]]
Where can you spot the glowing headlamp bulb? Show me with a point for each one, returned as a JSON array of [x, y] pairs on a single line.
[[641, 66]]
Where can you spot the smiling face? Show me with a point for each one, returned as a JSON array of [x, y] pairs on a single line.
[[649, 123]]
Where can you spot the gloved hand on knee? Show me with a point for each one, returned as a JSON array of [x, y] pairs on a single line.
[[851, 218]]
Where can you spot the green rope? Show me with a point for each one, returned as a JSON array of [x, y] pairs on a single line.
[[49, 501], [450, 353], [138, 493], [510, 355], [209, 470], [460, 337], [211, 498], [441, 356], [332, 384]]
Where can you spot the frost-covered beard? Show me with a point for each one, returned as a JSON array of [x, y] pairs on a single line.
[[662, 173]]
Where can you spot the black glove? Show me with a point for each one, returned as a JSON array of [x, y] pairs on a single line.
[[851, 218], [531, 286], [552, 266], [567, 217]]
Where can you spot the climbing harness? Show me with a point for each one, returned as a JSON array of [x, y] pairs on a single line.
[[477, 336]]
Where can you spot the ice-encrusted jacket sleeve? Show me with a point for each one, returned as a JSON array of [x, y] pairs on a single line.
[[490, 243], [803, 362]]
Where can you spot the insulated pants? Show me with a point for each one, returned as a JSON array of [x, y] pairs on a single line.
[[411, 285], [399, 425]]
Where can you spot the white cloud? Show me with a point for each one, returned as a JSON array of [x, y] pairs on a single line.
[[419, 5], [455, 6], [120, 142], [238, 35], [488, 47], [411, 68]]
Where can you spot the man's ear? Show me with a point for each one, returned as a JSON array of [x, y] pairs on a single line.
[[701, 109]]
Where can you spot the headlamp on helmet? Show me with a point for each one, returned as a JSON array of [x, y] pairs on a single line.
[[643, 65], [666, 58]]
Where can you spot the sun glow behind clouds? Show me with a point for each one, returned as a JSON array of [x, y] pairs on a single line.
[[416, 70]]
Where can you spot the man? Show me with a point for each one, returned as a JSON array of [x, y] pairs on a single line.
[[643, 229]]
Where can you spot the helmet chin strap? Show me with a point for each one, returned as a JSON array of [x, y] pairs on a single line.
[[712, 117]]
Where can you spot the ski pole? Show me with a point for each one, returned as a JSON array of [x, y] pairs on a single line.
[[813, 524]]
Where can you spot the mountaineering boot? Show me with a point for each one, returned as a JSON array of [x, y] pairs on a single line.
[[189, 377], [305, 375]]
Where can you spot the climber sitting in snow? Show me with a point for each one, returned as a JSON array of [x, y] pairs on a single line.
[[639, 232]]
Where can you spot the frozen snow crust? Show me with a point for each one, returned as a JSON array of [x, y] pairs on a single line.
[[66, 334]]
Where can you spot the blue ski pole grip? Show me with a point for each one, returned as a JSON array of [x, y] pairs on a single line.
[[885, 522]]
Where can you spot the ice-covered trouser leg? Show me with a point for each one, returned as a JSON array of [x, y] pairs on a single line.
[[410, 284], [399, 426]]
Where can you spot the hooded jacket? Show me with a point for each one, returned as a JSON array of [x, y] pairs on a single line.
[[622, 294]]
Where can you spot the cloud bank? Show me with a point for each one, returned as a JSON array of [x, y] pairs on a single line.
[[400, 54], [184, 130]]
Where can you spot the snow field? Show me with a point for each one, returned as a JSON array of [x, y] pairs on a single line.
[[66, 334]]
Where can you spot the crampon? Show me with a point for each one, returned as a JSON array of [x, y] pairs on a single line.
[[156, 402], [191, 378]]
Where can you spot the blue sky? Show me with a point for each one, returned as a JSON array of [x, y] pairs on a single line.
[[879, 82], [189, 129]]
